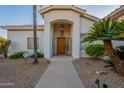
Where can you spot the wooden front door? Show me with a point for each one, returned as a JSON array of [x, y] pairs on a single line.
[[61, 45]]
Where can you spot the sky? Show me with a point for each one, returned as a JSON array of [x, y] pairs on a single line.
[[21, 15]]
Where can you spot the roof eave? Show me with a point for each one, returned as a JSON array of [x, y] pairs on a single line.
[[93, 18], [21, 27], [115, 12], [62, 7], [74, 8]]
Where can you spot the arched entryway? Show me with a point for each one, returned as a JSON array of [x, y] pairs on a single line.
[[62, 30], [61, 37]]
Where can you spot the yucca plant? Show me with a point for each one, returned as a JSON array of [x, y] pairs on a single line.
[[108, 29]]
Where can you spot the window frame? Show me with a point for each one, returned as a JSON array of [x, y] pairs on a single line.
[[28, 41]]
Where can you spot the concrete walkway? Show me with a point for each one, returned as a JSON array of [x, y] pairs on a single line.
[[60, 74]]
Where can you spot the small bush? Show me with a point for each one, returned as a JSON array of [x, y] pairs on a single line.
[[95, 50], [120, 51], [16, 55], [39, 55], [109, 62]]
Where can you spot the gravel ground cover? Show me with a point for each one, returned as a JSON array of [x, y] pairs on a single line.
[[88, 72], [17, 74]]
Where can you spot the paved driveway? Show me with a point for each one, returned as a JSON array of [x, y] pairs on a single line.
[[60, 74]]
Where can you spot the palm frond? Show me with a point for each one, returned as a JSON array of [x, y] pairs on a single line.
[[106, 29]]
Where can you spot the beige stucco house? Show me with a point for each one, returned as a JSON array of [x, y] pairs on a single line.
[[60, 34]]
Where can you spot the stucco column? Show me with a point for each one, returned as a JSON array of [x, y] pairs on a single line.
[[76, 39], [47, 40]]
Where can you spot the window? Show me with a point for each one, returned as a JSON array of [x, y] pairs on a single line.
[[30, 43]]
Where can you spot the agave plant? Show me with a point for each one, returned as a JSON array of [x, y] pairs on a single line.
[[107, 29]]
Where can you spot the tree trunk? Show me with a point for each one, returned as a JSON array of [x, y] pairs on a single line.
[[35, 33], [111, 52], [118, 63], [5, 55]]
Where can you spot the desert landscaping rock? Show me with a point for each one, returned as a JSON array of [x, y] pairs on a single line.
[[87, 68], [15, 74]]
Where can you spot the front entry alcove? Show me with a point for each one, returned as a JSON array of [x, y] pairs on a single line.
[[61, 38]]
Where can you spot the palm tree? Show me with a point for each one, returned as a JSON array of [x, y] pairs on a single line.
[[35, 34], [107, 30]]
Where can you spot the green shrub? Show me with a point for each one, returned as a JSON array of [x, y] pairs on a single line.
[[4, 45], [109, 63], [95, 50], [39, 55], [120, 51], [16, 55]]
